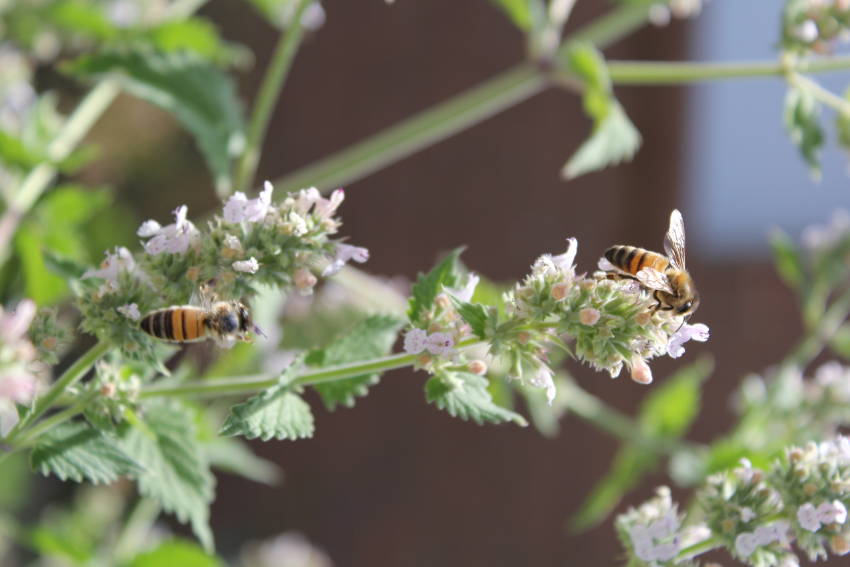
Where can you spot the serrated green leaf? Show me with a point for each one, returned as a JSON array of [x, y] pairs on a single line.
[[614, 139], [200, 96], [277, 413], [474, 314], [175, 553], [371, 338], [519, 12], [235, 457], [671, 407], [465, 395], [176, 472], [76, 451], [802, 121], [428, 286], [789, 265]]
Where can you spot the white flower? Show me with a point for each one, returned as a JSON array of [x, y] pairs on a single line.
[[746, 544], [745, 472], [659, 15], [415, 341], [326, 208], [747, 514], [131, 311], [112, 265], [345, 253], [666, 551], [542, 378], [606, 266], [305, 199], [239, 208], [564, 262], [174, 238], [465, 293], [558, 266], [665, 526], [765, 535], [686, 332], [289, 549], [832, 512], [440, 344], [249, 266], [807, 31], [807, 517]]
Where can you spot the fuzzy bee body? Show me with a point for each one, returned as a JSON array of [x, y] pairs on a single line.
[[223, 321], [666, 276]]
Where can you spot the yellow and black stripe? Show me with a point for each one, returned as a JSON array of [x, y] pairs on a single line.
[[632, 259], [178, 324]]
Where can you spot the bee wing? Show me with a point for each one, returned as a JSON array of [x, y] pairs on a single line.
[[204, 296], [653, 279], [674, 240]]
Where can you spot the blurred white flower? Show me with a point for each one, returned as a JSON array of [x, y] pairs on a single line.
[[415, 341], [249, 266], [18, 381], [115, 262], [131, 311], [344, 254], [289, 549], [543, 378], [745, 544], [807, 517], [465, 293], [686, 332], [241, 209]]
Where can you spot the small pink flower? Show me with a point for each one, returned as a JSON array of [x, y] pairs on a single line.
[[19, 387], [415, 341], [241, 209], [14, 325], [326, 208], [698, 332], [440, 344]]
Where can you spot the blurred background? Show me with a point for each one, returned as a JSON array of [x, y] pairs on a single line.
[[392, 481]]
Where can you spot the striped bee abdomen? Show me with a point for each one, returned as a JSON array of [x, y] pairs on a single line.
[[179, 324], [632, 259]]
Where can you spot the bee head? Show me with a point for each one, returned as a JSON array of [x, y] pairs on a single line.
[[688, 307]]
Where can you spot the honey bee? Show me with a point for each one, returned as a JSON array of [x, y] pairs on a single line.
[[671, 284], [225, 322]]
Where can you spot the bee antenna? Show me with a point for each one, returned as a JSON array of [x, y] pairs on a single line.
[[259, 331]]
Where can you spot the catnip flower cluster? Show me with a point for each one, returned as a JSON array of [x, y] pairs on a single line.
[[21, 374], [252, 242], [606, 323], [763, 518], [815, 25]]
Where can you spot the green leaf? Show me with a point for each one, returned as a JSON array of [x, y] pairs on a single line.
[[86, 19], [277, 412], [519, 12], [195, 34], [465, 395], [802, 121], [666, 414], [671, 407], [427, 287], [14, 152], [77, 451], [371, 338], [842, 125], [614, 139], [787, 257], [627, 469], [474, 314], [840, 342], [200, 96], [40, 284], [235, 457], [15, 479], [176, 552], [177, 474]]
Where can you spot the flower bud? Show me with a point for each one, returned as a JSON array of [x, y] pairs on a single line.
[[839, 544], [589, 316], [478, 367], [643, 318], [442, 301], [559, 291], [107, 390], [641, 372], [304, 280], [523, 337]]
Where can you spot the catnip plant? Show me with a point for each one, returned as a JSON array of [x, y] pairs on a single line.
[[93, 395]]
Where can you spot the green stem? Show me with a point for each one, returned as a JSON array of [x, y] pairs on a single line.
[[44, 402], [29, 436], [273, 81], [667, 73], [594, 411], [41, 176], [823, 95], [818, 337], [136, 531], [699, 548], [460, 112]]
